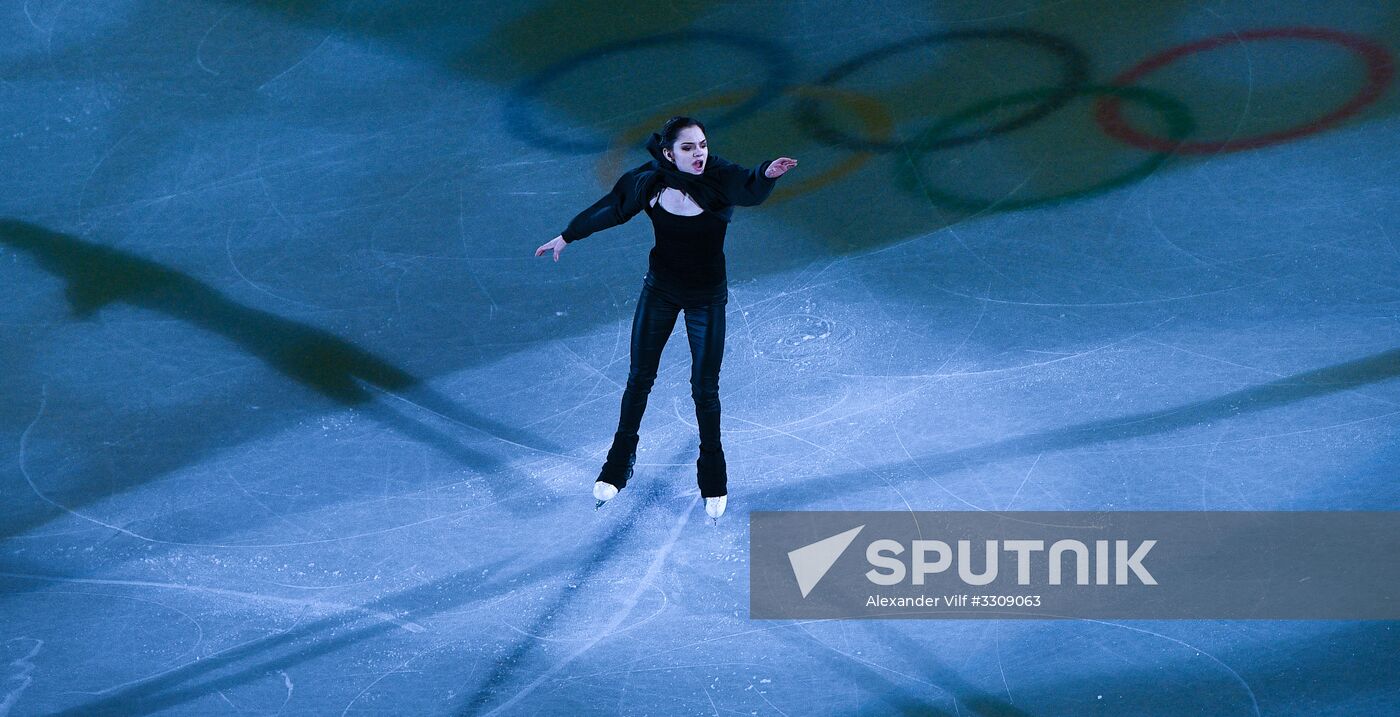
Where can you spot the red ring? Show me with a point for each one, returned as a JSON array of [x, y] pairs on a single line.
[[1380, 68]]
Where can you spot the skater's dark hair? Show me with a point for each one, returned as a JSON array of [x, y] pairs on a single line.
[[672, 129]]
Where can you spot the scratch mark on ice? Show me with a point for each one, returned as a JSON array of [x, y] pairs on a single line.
[[619, 614]]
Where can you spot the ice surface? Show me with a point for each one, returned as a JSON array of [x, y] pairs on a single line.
[[296, 423]]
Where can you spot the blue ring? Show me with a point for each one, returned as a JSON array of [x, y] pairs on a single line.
[[520, 119]]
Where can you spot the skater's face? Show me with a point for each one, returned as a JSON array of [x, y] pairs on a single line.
[[690, 151]]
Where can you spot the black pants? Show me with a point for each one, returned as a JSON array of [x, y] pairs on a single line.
[[651, 327]]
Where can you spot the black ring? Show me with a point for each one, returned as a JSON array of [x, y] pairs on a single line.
[[1076, 74], [1179, 123], [779, 77]]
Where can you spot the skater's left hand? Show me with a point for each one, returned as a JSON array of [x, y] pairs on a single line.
[[779, 166]]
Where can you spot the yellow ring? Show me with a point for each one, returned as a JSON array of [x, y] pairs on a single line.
[[875, 116]]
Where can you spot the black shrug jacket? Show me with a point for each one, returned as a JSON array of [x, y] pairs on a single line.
[[722, 186]]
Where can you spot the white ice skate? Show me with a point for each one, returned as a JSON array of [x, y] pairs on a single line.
[[714, 507], [603, 492]]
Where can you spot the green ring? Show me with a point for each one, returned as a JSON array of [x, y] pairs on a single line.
[[1179, 126]]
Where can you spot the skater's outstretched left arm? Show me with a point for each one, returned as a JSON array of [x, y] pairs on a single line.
[[750, 187]]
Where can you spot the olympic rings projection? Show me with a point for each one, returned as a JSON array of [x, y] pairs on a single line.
[[1179, 126], [1074, 73], [878, 122], [776, 59], [871, 113], [1380, 69]]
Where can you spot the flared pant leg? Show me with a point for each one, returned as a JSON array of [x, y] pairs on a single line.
[[705, 328], [652, 324]]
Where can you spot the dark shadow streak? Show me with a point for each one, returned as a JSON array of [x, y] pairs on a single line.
[[434, 597], [178, 686], [898, 700], [1289, 389], [1309, 671], [99, 276], [581, 575]]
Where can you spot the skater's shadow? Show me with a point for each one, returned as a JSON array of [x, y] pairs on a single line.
[[96, 277], [1341, 377]]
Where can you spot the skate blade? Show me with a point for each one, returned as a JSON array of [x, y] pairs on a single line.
[[598, 504]]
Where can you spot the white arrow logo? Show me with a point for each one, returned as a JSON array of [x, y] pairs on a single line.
[[810, 562]]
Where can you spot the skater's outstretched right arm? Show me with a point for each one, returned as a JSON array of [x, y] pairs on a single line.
[[616, 207], [555, 245]]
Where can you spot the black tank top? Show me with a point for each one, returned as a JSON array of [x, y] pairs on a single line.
[[688, 259]]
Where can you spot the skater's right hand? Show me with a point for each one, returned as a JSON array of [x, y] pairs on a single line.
[[556, 244]]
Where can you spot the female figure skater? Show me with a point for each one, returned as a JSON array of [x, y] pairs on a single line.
[[690, 196]]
